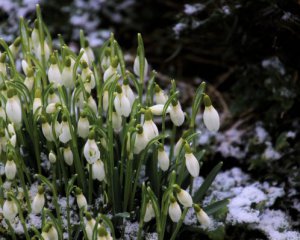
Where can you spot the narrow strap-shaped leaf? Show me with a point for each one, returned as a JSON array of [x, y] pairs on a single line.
[[214, 207]]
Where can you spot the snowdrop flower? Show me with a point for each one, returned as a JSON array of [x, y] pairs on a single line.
[[13, 108], [52, 107], [54, 74], [210, 116], [89, 52], [149, 214], [128, 91], [163, 158], [160, 96], [68, 155], [89, 226], [105, 61], [98, 171], [92, 104], [183, 196], [67, 74], [38, 201], [47, 129], [29, 80], [10, 168], [10, 209], [116, 122], [15, 46], [202, 217], [87, 72], [3, 64], [136, 66], [25, 67], [111, 70], [37, 102], [158, 109], [49, 232], [91, 151], [176, 114], [38, 51], [141, 140], [65, 135], [180, 143], [53, 97], [80, 199], [121, 103], [105, 101], [191, 162], [149, 126], [35, 38], [83, 126], [174, 210], [52, 157], [103, 234]]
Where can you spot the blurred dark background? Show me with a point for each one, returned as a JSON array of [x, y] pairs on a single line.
[[247, 51]]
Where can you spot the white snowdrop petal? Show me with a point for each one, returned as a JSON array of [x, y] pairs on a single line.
[[192, 164], [175, 212], [185, 198], [211, 118]]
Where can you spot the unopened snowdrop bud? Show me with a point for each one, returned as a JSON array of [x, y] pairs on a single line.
[[160, 96], [163, 158], [38, 51], [92, 104], [54, 74], [149, 214], [10, 168], [83, 126], [52, 157], [176, 114], [116, 122], [87, 73], [121, 103], [80, 199], [202, 217], [191, 161], [68, 155], [15, 46], [38, 201], [67, 74], [10, 209], [3, 64], [29, 80], [136, 66], [111, 70], [89, 226], [65, 135], [35, 34], [49, 232], [105, 62], [183, 196], [210, 116], [25, 67], [105, 100], [51, 108], [174, 210], [37, 102], [149, 126], [13, 108], [46, 129], [126, 89], [98, 171], [141, 140], [158, 109], [91, 151], [89, 52]]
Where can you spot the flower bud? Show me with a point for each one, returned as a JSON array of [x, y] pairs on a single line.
[[67, 74], [136, 66], [10, 209], [54, 74], [52, 157], [174, 210], [38, 201], [183, 197], [126, 89], [68, 155], [176, 114], [150, 128], [121, 103], [105, 100], [116, 122], [160, 96], [163, 159], [141, 140], [89, 226], [210, 116], [191, 162], [158, 109], [149, 214], [98, 171], [83, 126], [13, 108], [10, 168], [65, 135], [202, 217], [80, 199]]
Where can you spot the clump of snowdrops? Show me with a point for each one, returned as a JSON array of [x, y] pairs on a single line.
[[109, 136]]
